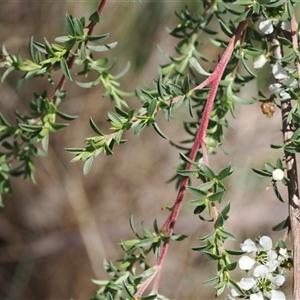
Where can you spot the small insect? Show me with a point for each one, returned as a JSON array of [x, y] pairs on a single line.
[[268, 108]]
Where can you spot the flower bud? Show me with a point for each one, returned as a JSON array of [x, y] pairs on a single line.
[[277, 174]]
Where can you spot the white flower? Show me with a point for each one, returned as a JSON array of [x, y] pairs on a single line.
[[279, 72], [259, 61], [280, 89], [263, 283], [266, 26], [261, 253], [277, 175]]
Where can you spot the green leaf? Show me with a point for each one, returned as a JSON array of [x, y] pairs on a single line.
[[124, 71], [95, 127], [282, 225], [235, 252], [276, 191], [196, 192], [114, 118], [78, 27], [187, 160], [131, 223], [211, 256], [150, 297], [243, 101], [155, 226], [3, 121], [226, 210], [206, 186], [62, 39], [201, 248], [284, 41], [263, 173], [161, 88], [30, 128], [145, 243], [48, 48], [45, 142], [178, 237], [87, 165], [126, 291], [97, 38], [65, 116], [58, 126], [94, 17], [208, 172], [40, 47], [5, 74], [269, 167], [220, 289], [102, 48], [225, 29], [219, 222], [65, 69], [226, 235], [210, 282], [273, 146], [225, 172], [194, 63], [158, 130], [70, 44], [246, 14], [216, 196], [69, 25]]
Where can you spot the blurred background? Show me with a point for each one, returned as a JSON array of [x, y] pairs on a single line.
[[55, 235]]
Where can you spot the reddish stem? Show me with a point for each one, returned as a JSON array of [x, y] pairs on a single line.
[[90, 28], [214, 79]]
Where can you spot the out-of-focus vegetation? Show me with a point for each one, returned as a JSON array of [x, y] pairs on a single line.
[[54, 236]]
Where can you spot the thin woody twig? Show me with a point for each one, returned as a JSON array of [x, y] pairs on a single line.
[[291, 166]]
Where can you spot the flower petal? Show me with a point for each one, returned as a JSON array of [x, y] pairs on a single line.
[[275, 88], [266, 242], [257, 296], [246, 262], [278, 280], [279, 72], [266, 26], [248, 246], [259, 61], [247, 283], [277, 295], [261, 271]]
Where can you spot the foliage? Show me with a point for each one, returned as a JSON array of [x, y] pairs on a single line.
[[253, 33]]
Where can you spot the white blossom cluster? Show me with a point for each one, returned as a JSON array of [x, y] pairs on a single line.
[[285, 81], [263, 267]]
